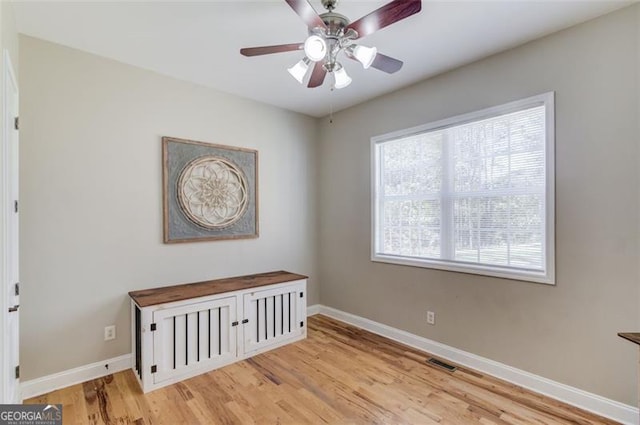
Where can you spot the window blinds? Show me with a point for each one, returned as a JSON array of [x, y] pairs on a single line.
[[471, 193]]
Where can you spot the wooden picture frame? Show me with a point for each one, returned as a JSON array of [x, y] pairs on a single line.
[[210, 191]]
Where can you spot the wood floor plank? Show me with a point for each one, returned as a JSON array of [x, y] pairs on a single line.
[[339, 375]]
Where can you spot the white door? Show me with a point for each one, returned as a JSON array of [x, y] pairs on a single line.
[[9, 237], [275, 316], [194, 338]]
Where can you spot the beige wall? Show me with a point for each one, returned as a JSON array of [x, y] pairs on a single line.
[[565, 332], [8, 32], [91, 225]]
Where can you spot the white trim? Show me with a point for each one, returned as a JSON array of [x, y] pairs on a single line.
[[547, 274], [486, 113], [602, 406], [312, 310], [550, 181], [56, 381], [472, 268]]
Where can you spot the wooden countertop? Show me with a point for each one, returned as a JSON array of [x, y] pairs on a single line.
[[167, 294], [631, 336]]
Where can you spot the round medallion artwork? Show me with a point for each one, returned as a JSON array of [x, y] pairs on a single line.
[[212, 192]]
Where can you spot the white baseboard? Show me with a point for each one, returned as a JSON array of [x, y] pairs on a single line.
[[312, 310], [56, 381], [617, 411], [602, 406]]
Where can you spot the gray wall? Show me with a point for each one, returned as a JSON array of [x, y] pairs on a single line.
[[91, 216], [565, 332]]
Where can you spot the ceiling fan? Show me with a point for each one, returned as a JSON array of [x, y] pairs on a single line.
[[332, 33]]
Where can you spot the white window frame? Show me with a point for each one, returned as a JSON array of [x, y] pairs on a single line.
[[547, 275]]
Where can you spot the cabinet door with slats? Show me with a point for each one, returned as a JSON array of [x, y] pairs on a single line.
[[194, 338], [275, 316]]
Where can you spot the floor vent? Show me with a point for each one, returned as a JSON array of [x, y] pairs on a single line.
[[441, 364]]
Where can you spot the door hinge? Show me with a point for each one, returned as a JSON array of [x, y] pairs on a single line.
[[301, 324], [154, 369], [153, 327], [16, 123], [301, 294], [245, 321], [234, 323], [18, 372], [15, 205], [16, 289]]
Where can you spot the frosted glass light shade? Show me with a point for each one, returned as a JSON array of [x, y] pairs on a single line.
[[315, 48], [299, 70], [342, 78], [365, 55]]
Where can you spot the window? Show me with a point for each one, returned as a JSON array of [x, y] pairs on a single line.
[[473, 193]]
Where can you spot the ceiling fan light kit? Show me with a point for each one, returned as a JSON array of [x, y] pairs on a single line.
[[331, 33], [341, 77], [299, 70], [315, 48], [363, 54]]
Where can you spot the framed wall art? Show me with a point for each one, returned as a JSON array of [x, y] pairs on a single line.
[[210, 191]]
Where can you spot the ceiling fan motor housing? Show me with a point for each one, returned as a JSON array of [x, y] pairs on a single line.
[[335, 23], [334, 36], [329, 4]]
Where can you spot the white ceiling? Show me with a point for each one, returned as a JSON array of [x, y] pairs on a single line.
[[200, 41]]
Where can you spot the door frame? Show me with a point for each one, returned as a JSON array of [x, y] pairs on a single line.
[[6, 245]]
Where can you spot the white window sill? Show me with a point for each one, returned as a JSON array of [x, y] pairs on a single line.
[[479, 269]]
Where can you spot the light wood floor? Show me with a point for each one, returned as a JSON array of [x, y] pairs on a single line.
[[338, 375]]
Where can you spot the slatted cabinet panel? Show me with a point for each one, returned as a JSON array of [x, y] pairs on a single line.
[[274, 316], [194, 337], [176, 336]]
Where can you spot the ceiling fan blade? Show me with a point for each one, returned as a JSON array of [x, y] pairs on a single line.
[[317, 76], [388, 14], [308, 14], [386, 63], [267, 50]]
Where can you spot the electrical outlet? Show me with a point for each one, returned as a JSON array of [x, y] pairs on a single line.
[[109, 332], [431, 318]]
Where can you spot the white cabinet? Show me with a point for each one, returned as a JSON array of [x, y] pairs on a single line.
[[213, 324]]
